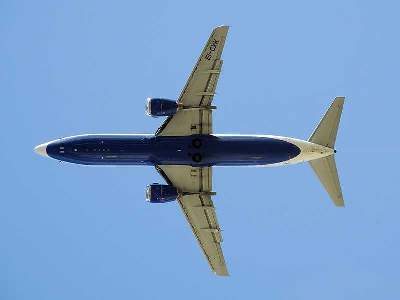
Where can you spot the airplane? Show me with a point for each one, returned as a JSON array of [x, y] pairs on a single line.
[[184, 149]]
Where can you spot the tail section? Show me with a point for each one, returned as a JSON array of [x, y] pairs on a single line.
[[326, 131], [325, 168], [325, 135]]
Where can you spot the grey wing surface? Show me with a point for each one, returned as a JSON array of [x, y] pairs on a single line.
[[194, 115], [195, 186]]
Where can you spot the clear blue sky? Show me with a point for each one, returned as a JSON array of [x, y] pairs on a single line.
[[74, 232]]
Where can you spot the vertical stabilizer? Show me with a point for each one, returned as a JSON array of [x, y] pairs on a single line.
[[325, 135]]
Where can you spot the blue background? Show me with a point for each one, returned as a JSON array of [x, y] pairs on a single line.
[[74, 232]]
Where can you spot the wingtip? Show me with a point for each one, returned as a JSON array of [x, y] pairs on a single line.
[[339, 99], [220, 271], [222, 27], [222, 274], [339, 202]]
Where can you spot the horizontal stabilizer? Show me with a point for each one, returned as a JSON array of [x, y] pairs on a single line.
[[325, 168], [326, 131]]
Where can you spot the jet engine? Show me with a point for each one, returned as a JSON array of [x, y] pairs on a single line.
[[158, 107], [161, 193]]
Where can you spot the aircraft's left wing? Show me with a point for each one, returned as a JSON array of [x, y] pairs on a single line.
[[195, 188], [194, 103]]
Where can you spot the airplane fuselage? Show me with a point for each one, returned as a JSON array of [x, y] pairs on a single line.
[[195, 150]]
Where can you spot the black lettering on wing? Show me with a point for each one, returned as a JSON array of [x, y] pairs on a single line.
[[212, 48]]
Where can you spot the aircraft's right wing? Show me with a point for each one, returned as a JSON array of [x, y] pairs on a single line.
[[194, 184]]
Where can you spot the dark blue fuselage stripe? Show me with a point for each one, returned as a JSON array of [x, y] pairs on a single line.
[[201, 150]]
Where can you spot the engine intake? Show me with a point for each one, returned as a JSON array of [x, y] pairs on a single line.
[[161, 193], [158, 107]]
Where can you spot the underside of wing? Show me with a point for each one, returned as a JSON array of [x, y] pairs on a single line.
[[187, 122], [195, 188], [200, 87], [194, 104], [200, 213]]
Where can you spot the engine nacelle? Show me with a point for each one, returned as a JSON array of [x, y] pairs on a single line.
[[158, 107], [161, 193]]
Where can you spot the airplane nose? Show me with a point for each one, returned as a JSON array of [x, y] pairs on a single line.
[[41, 149]]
